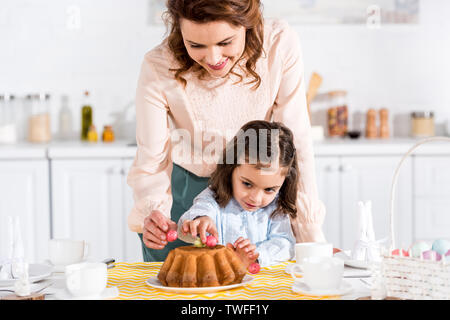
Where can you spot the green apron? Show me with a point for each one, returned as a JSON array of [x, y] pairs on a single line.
[[185, 187]]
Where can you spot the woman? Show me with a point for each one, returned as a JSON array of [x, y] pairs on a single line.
[[220, 67]]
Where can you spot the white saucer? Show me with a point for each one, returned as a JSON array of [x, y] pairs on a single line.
[[108, 293], [289, 267], [155, 283], [300, 287], [59, 268], [348, 261], [348, 272], [357, 264], [36, 272]]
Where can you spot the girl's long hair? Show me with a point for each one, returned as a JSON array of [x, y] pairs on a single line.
[[242, 150], [246, 13]]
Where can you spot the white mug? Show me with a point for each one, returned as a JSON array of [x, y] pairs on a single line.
[[86, 279], [312, 249], [62, 252], [321, 273]]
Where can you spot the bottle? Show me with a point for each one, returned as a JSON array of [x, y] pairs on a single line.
[[92, 134], [86, 116], [65, 119], [108, 134]]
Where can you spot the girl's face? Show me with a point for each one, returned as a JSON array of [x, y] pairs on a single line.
[[216, 46], [254, 189]]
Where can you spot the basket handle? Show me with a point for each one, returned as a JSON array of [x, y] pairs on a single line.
[[394, 180]]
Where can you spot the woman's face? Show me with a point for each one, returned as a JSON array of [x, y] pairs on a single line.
[[253, 188], [216, 46]]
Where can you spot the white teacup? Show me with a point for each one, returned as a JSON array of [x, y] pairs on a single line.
[[62, 252], [312, 249], [321, 273], [86, 279]]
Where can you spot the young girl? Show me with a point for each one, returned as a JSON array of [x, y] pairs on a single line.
[[251, 196]]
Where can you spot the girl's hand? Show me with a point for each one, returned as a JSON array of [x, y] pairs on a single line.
[[200, 226], [245, 250]]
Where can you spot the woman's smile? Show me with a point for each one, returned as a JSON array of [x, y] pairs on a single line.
[[219, 66]]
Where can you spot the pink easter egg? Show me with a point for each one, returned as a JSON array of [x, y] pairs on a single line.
[[431, 255], [171, 235], [211, 241], [254, 268]]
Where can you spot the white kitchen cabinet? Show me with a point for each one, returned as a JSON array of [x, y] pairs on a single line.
[[24, 192], [370, 178], [328, 185], [88, 203], [344, 181], [133, 247], [431, 197]]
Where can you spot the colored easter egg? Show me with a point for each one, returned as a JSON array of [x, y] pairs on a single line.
[[419, 247], [211, 241], [254, 268], [447, 256], [441, 246], [431, 255], [396, 252], [171, 235]]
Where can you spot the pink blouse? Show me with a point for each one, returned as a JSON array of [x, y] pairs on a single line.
[[210, 112]]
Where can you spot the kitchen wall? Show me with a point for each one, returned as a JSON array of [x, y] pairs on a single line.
[[44, 47]]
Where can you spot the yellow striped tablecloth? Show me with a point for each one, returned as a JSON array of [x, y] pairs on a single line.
[[271, 283]]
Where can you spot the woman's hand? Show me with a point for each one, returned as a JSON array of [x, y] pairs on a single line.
[[200, 226], [155, 229], [245, 250]]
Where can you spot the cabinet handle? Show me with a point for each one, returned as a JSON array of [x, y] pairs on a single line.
[[332, 168], [346, 168], [115, 170]]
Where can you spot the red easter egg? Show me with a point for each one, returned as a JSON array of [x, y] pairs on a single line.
[[254, 268], [172, 235], [211, 241], [396, 252]]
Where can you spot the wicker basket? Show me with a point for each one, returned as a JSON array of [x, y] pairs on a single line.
[[409, 277]]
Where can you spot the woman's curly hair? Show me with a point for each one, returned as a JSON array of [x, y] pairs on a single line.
[[246, 13]]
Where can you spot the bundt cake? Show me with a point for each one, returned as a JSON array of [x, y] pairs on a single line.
[[190, 266]]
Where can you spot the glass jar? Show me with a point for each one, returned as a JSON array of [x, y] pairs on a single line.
[[8, 129], [337, 113], [39, 118], [108, 134], [422, 124]]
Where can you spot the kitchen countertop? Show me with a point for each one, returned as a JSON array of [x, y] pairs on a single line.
[[127, 148]]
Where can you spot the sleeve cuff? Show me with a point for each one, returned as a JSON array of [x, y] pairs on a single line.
[[311, 232]]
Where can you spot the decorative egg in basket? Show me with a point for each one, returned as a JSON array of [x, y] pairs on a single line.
[[419, 247], [396, 252], [441, 246], [431, 255]]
